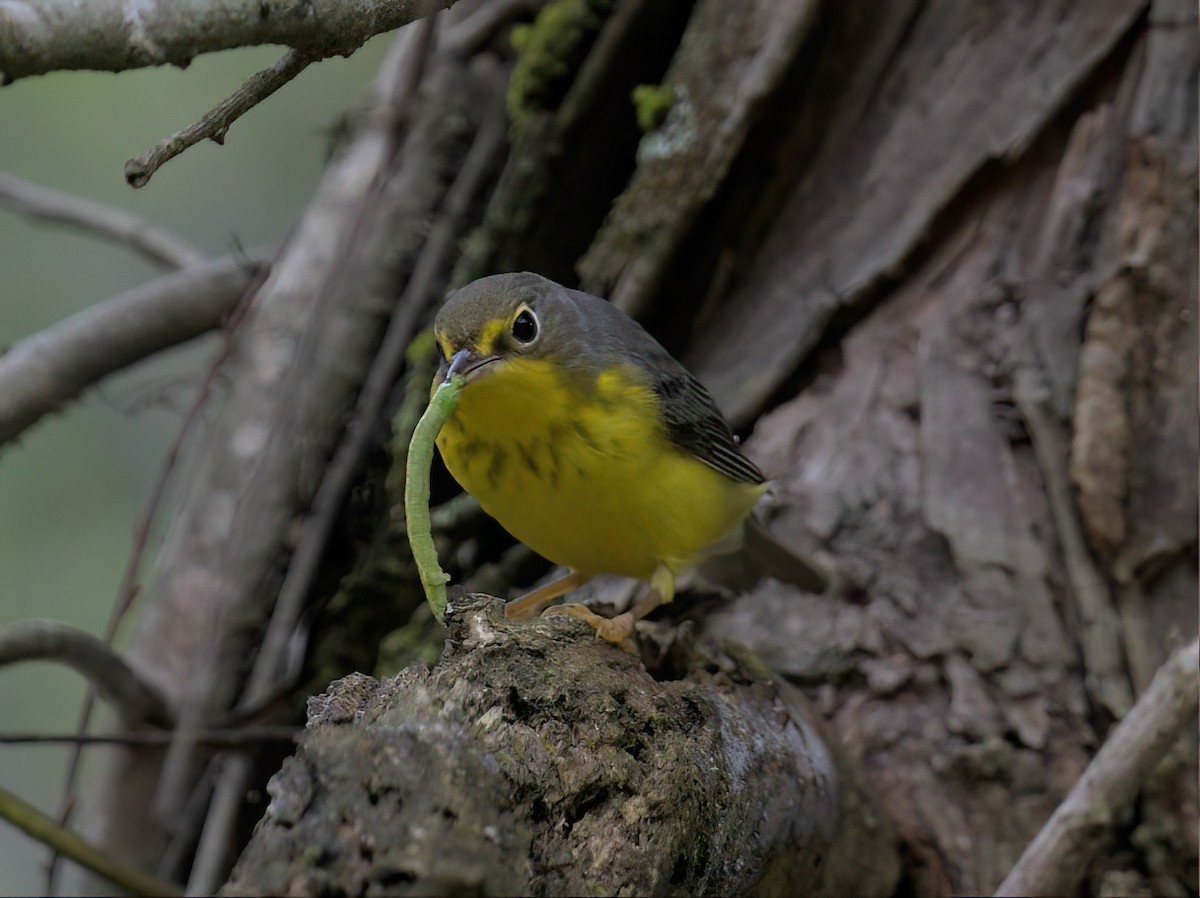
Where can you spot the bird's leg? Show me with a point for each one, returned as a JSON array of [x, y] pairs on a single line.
[[532, 603], [619, 630]]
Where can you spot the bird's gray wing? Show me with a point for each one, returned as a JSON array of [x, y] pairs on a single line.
[[693, 421], [695, 425]]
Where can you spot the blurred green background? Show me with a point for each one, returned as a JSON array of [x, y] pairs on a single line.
[[72, 489]]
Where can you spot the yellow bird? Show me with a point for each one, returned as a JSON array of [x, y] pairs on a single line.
[[588, 442]]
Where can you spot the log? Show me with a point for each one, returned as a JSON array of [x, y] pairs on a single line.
[[535, 759]]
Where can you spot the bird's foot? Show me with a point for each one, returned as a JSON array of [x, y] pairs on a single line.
[[617, 630], [531, 604]]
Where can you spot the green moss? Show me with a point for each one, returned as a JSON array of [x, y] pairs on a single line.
[[520, 37], [551, 50], [421, 347], [651, 103]]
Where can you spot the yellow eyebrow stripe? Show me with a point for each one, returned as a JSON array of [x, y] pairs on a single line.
[[490, 333], [484, 345]]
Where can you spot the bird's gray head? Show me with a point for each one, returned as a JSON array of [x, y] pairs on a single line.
[[504, 316]]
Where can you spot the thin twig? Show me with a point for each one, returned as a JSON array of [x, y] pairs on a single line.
[[48, 369], [218, 738], [400, 77], [490, 142], [1100, 634], [1056, 859], [214, 124], [43, 640], [152, 241], [128, 588], [186, 825], [26, 817]]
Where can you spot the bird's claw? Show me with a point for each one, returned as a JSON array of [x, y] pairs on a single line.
[[617, 630]]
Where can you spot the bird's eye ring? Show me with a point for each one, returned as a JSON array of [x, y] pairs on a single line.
[[525, 326]]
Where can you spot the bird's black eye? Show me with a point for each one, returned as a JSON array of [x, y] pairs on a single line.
[[525, 327]]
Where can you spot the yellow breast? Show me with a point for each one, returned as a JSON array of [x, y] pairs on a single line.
[[584, 474]]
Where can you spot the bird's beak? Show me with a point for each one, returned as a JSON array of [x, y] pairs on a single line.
[[469, 364]]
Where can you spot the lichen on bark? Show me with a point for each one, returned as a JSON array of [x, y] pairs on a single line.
[[551, 50], [534, 759]]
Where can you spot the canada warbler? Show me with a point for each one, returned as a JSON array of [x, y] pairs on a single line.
[[588, 442]]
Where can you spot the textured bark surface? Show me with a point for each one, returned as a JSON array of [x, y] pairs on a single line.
[[937, 261], [534, 759], [968, 231], [902, 112], [295, 367], [988, 483]]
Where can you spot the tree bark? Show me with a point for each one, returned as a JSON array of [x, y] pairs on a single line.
[[537, 760], [988, 483], [111, 36], [301, 357], [941, 259]]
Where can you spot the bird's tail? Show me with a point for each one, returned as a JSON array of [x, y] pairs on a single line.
[[762, 554]]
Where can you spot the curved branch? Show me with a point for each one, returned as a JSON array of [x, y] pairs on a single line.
[[152, 241], [129, 587], [123, 687], [115, 35], [42, 372]]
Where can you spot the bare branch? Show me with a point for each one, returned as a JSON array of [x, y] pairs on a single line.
[[123, 687], [347, 460], [129, 586], [32, 821], [490, 142], [152, 241], [1099, 625], [1054, 862], [42, 372], [215, 124], [353, 195], [114, 35], [297, 364], [218, 738]]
